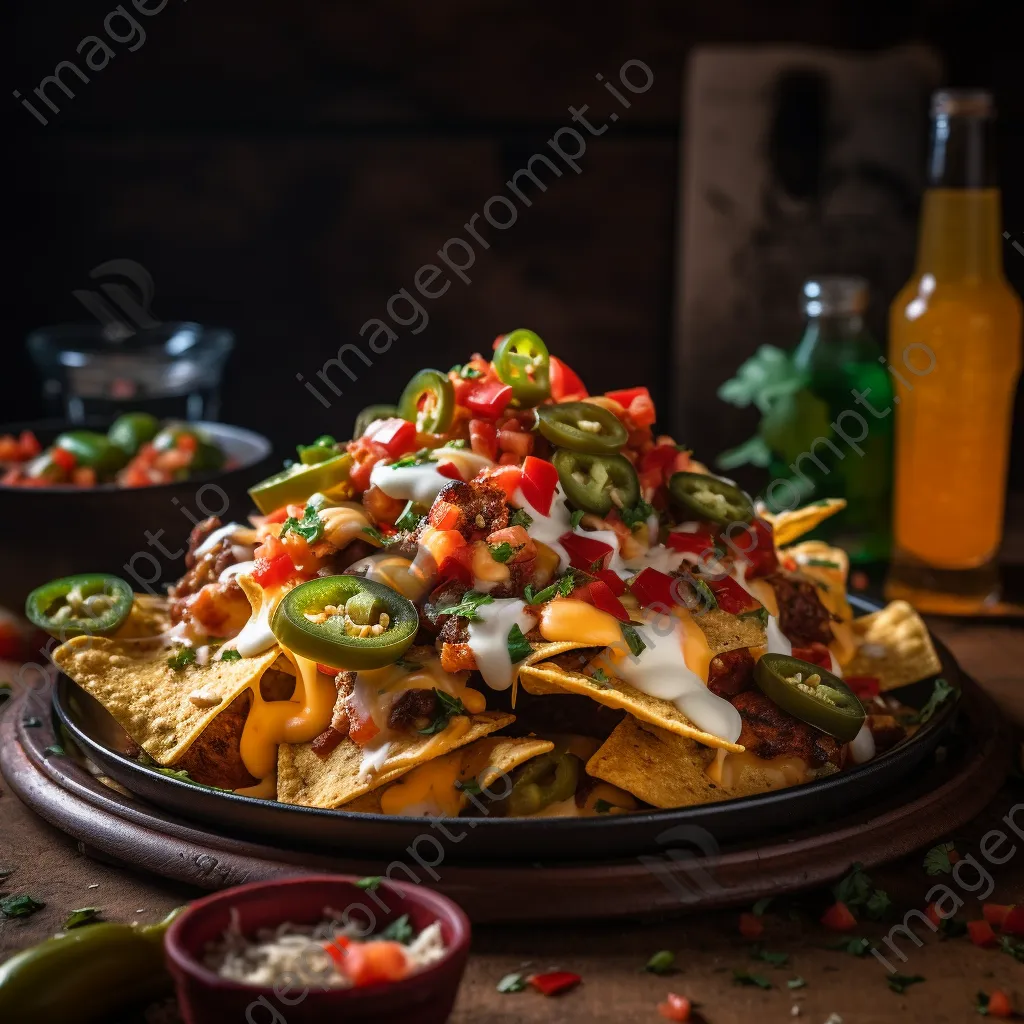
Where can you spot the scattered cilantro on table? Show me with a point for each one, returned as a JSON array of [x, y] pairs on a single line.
[[775, 959], [936, 860], [858, 893], [899, 983], [661, 962], [747, 978], [20, 905], [511, 983], [796, 982], [854, 946], [81, 916]]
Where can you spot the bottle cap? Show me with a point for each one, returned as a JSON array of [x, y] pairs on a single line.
[[835, 295], [963, 103]]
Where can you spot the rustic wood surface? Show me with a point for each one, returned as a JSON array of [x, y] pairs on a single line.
[[610, 957]]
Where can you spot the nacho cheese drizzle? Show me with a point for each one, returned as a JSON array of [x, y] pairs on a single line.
[[488, 639]]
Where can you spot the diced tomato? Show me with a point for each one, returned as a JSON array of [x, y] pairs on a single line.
[[1000, 1004], [515, 442], [269, 572], [995, 913], [369, 962], [566, 386], [932, 913], [279, 515], [396, 436], [625, 396], [816, 653], [488, 398], [365, 455], [505, 478], [615, 583], [457, 567], [523, 545], [864, 687], [600, 595], [838, 918], [652, 586], [326, 670], [443, 515], [637, 402], [337, 948], [981, 933], [83, 476], [1013, 923], [29, 445], [751, 926], [675, 1007], [361, 726], [761, 559], [483, 439], [540, 478], [186, 442], [10, 450], [135, 476], [698, 543], [301, 554], [64, 459], [731, 597], [584, 551], [450, 470], [555, 982], [442, 543]]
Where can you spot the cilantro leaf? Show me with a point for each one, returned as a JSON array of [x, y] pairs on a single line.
[[747, 978], [981, 1003], [636, 515], [877, 905], [520, 517], [503, 552], [661, 962], [172, 773], [823, 563], [854, 946], [899, 983], [562, 587], [855, 888], [775, 959], [181, 658], [308, 527], [633, 640], [230, 655], [941, 692], [371, 882], [374, 534], [576, 518], [470, 786], [56, 749], [20, 906], [447, 708], [511, 983], [796, 982], [599, 675], [936, 860], [518, 646], [399, 931], [468, 605], [707, 595], [1013, 947], [466, 372], [82, 916], [458, 443]]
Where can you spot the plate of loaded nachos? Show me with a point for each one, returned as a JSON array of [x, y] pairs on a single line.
[[508, 601]]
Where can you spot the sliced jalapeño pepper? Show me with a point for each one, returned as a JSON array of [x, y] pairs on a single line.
[[595, 483], [371, 413], [90, 604], [132, 430], [522, 361], [711, 498], [96, 451], [294, 485], [811, 693], [581, 426], [347, 622], [322, 449], [428, 401], [543, 781]]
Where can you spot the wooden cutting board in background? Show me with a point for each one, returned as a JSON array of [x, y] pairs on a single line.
[[796, 162]]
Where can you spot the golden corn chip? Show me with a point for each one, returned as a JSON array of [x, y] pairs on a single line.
[[303, 777], [726, 632], [827, 566], [150, 616], [893, 644], [787, 526]]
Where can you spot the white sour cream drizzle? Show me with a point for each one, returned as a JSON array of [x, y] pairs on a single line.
[[862, 746], [467, 462], [661, 671], [238, 569], [256, 635], [421, 484], [778, 642], [229, 531], [488, 639], [375, 753]]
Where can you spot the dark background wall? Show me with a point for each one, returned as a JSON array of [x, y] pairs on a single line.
[[283, 168]]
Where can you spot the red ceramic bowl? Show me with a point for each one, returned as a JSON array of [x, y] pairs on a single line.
[[424, 998]]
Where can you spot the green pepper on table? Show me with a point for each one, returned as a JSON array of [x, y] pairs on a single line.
[[582, 427], [710, 497], [325, 620], [594, 483], [89, 604], [428, 401], [521, 360], [811, 693]]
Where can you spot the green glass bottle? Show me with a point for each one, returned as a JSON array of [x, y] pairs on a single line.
[[843, 418]]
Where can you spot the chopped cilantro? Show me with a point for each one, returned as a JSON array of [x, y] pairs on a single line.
[[20, 906], [633, 641], [308, 527], [775, 959], [940, 693], [468, 605], [877, 905], [936, 860], [399, 931], [576, 518], [82, 916], [466, 372], [518, 646], [458, 442], [416, 458], [511, 983], [661, 962], [707, 595], [602, 806], [1013, 947], [182, 657], [760, 614], [371, 882], [410, 518], [854, 946], [56, 749], [230, 655], [447, 708], [503, 552], [824, 563], [899, 983], [374, 534], [857, 892], [746, 978], [636, 515], [562, 587], [599, 675], [172, 773], [470, 786], [520, 517], [796, 982], [981, 1003]]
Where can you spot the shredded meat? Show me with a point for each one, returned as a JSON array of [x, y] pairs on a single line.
[[802, 616], [199, 534], [413, 709], [731, 672], [199, 595], [338, 729], [480, 509], [768, 732]]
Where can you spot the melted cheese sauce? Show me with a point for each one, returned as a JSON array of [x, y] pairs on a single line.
[[488, 639], [396, 572], [429, 789], [421, 484], [568, 619]]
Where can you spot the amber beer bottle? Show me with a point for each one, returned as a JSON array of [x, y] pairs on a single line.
[[955, 357]]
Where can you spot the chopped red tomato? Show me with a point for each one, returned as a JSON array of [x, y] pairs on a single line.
[[522, 544], [652, 586], [396, 436], [457, 567], [932, 913], [488, 397], [981, 933], [865, 687], [995, 913], [838, 918], [19, 449], [366, 963], [1000, 1004], [483, 439], [365, 455], [625, 396], [698, 543], [731, 597], [584, 552], [450, 470], [816, 653], [505, 478], [279, 515], [515, 442], [555, 982], [361, 726], [83, 476], [637, 402], [751, 926], [675, 1007], [615, 583], [63, 458], [269, 572], [761, 558], [566, 386], [1013, 923], [540, 478], [186, 442], [326, 670], [600, 595]]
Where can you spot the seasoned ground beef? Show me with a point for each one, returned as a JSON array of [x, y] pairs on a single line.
[[802, 616], [731, 673], [414, 709], [480, 509]]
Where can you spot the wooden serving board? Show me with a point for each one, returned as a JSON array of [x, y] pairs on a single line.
[[690, 874]]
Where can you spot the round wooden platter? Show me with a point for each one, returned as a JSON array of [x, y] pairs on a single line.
[[691, 872]]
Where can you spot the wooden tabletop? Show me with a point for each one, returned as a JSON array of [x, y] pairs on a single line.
[[610, 959]]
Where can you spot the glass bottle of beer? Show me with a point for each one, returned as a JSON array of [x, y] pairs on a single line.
[[955, 357]]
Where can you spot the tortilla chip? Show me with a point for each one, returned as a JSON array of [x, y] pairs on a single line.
[[149, 699], [485, 761], [304, 777], [787, 526], [664, 769], [539, 679], [893, 644], [150, 616], [726, 632]]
